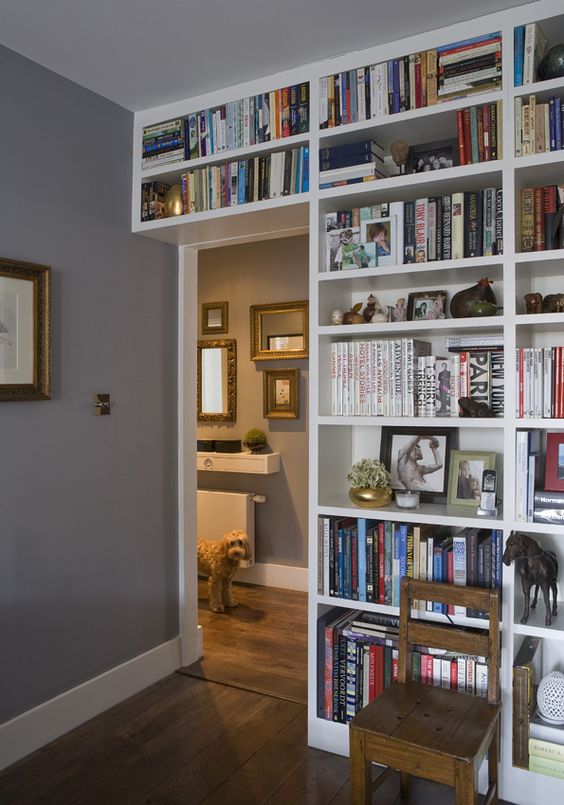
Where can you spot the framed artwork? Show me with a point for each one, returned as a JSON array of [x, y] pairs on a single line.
[[360, 255], [554, 470], [425, 305], [25, 332], [465, 477], [418, 458], [383, 233], [281, 395], [433, 156], [279, 331], [215, 317]]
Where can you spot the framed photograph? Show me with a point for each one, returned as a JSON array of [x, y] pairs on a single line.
[[383, 233], [281, 394], [25, 333], [360, 255], [554, 472], [215, 317], [465, 477], [433, 156], [337, 242], [418, 458], [425, 305]]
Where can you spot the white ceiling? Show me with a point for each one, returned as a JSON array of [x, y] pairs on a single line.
[[141, 53]]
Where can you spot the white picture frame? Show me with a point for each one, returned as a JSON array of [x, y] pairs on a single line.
[[383, 232]]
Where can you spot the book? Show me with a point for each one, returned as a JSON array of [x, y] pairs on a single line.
[[545, 765], [524, 665]]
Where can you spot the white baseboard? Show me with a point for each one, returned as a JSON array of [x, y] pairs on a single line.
[[35, 728], [286, 577]]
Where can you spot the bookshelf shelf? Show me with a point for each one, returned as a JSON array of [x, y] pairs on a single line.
[[409, 271], [538, 257], [534, 627], [539, 319], [529, 163], [434, 513], [439, 422], [541, 88], [408, 327]]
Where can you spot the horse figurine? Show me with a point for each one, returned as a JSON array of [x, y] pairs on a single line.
[[536, 567]]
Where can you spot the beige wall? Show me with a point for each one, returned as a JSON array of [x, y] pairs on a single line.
[[254, 274]]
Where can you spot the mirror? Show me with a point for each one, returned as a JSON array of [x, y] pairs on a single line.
[[217, 381], [279, 331]]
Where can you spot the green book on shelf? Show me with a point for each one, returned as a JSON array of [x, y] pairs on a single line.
[[543, 765]]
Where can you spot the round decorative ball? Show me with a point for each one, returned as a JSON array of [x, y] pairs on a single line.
[[550, 698], [552, 64], [337, 317]]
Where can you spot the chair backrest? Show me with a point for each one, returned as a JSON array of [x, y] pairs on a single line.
[[452, 638]]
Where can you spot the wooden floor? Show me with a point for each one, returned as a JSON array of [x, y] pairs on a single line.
[[187, 740]]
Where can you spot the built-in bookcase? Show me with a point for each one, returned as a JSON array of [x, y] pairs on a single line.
[[337, 441]]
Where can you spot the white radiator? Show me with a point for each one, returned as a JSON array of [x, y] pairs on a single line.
[[220, 512]]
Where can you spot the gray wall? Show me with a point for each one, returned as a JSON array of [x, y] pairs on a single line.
[[254, 274], [88, 553]]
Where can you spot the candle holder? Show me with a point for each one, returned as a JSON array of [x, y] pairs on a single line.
[[407, 499]]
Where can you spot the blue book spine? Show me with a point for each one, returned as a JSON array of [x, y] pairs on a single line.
[[390, 70], [396, 103], [558, 124], [388, 563], [474, 41], [209, 128], [403, 550], [396, 569], [241, 183], [493, 574], [361, 547], [552, 123], [305, 175], [437, 574], [518, 54], [499, 563], [367, 93], [347, 564], [344, 117]]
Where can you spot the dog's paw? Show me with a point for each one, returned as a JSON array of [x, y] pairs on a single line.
[[231, 603], [219, 608]]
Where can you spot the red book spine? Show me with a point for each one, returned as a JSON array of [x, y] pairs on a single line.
[[286, 112], [328, 673], [480, 118], [467, 137], [450, 578], [549, 198], [381, 564], [460, 133], [561, 382], [538, 220], [371, 672], [557, 383], [487, 132], [395, 667], [428, 668], [418, 85], [453, 675]]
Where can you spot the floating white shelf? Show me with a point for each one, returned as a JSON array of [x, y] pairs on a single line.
[[438, 421], [259, 463], [405, 327]]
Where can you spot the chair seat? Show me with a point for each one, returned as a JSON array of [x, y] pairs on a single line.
[[455, 725]]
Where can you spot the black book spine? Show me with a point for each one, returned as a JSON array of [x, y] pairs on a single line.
[[498, 222], [409, 232]]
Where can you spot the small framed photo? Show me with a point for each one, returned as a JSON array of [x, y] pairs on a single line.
[[465, 477], [433, 156], [25, 332], [426, 305], [215, 317], [360, 255], [418, 459], [338, 243], [281, 394], [383, 233], [554, 472]]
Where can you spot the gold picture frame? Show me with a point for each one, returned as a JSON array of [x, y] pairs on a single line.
[[217, 381], [25, 331], [279, 331], [215, 318], [281, 394]]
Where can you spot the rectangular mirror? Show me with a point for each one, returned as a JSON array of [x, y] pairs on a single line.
[[279, 331], [217, 380]]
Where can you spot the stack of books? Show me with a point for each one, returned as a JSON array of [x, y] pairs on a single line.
[[351, 163], [473, 65], [364, 560], [232, 183], [539, 382], [529, 48], [540, 227], [410, 82], [538, 126], [528, 472], [546, 748], [153, 200], [357, 658], [163, 143], [479, 132]]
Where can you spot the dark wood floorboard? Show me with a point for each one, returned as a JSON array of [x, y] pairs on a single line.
[[187, 740]]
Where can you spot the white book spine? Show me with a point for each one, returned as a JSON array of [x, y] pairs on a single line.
[[343, 374], [386, 378], [455, 383], [437, 671], [530, 488], [430, 385], [373, 377], [362, 378], [445, 673], [470, 675], [461, 675], [521, 470], [547, 382], [380, 346], [457, 212], [481, 680], [430, 557], [518, 118], [528, 61], [334, 403], [323, 107], [398, 378], [409, 385], [459, 567]]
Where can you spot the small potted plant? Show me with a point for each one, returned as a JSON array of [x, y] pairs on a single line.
[[370, 483], [254, 440]]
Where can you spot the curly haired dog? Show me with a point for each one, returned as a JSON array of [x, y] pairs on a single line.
[[219, 561]]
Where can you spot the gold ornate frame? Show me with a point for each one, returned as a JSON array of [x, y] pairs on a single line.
[[230, 344], [273, 408], [40, 277], [224, 326], [257, 314]]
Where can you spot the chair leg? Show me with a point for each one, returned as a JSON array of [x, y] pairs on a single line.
[[360, 771], [405, 784], [493, 761], [465, 785]]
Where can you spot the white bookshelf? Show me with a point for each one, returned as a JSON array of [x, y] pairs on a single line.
[[335, 442]]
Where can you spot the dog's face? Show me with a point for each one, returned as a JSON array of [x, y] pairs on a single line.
[[514, 547], [237, 546]]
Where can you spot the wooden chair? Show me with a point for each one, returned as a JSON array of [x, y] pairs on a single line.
[[431, 732]]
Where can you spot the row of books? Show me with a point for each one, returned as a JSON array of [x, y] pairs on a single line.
[[350, 163], [539, 382], [260, 118], [411, 82], [538, 126], [400, 377], [533, 503], [232, 183], [480, 133], [529, 46], [364, 560], [153, 200], [357, 659], [541, 226]]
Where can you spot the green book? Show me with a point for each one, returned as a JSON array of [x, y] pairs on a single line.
[[543, 765]]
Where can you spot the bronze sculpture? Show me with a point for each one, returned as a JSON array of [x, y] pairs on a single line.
[[537, 567]]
